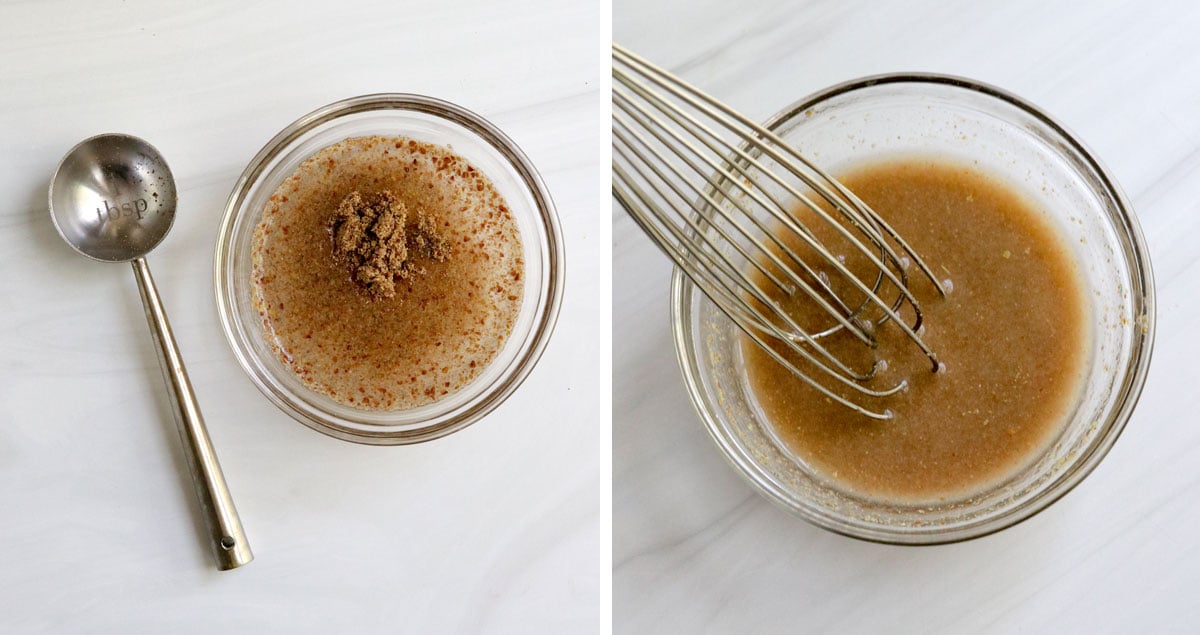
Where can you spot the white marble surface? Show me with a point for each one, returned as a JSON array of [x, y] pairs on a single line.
[[493, 529], [696, 550]]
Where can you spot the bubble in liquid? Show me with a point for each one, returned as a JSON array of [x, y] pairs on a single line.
[[824, 277], [941, 368], [883, 365], [948, 284], [867, 326], [905, 263], [921, 331], [841, 258]]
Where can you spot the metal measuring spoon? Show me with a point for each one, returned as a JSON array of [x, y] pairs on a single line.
[[112, 199]]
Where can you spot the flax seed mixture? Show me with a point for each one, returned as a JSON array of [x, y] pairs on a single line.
[[1011, 333], [399, 312]]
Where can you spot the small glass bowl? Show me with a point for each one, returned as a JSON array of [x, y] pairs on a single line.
[[1002, 135], [424, 119]]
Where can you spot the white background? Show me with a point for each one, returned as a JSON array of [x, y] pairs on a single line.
[[493, 529], [696, 550]]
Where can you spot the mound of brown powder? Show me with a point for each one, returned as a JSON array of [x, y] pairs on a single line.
[[372, 239]]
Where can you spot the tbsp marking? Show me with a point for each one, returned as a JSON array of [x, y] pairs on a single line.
[[135, 207]]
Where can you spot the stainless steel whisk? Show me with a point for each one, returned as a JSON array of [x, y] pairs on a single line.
[[714, 190]]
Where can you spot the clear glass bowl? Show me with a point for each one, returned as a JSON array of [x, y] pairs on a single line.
[[425, 119], [1001, 134]]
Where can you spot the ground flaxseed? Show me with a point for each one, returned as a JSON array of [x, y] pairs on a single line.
[[439, 330]]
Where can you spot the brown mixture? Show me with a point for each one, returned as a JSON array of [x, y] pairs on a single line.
[[387, 272], [1011, 335]]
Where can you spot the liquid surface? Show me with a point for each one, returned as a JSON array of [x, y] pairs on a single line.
[[440, 329], [1011, 335]]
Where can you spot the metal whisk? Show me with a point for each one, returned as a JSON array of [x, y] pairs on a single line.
[[692, 172]]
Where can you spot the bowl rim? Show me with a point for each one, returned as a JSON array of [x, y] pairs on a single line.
[[540, 331], [1142, 346]]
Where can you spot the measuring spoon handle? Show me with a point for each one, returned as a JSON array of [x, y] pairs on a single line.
[[228, 540]]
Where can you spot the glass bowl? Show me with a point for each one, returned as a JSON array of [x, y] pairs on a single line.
[[1000, 134], [424, 119]]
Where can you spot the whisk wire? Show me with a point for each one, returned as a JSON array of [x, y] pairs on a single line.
[[669, 82], [725, 295], [713, 258], [717, 210], [759, 140], [840, 313], [773, 207]]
